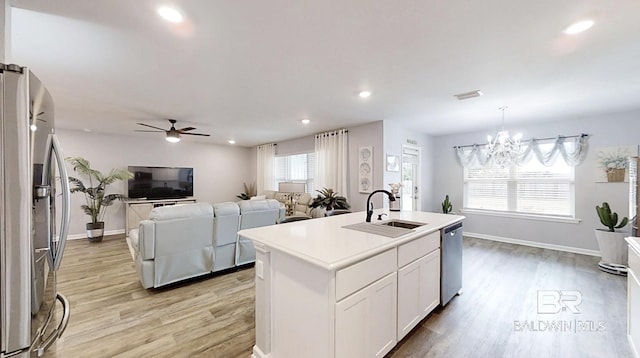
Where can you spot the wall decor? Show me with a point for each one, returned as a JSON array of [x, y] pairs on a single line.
[[365, 165], [612, 163], [393, 163]]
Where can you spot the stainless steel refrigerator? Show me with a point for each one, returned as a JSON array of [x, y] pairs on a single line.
[[33, 184]]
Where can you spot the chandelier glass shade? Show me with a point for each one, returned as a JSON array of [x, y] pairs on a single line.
[[504, 149]]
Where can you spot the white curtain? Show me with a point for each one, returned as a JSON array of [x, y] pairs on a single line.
[[266, 168], [331, 161], [478, 154]]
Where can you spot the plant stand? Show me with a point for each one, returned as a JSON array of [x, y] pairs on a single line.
[[613, 250]]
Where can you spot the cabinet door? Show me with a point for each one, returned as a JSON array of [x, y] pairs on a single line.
[[384, 295], [409, 310], [430, 290], [366, 320], [418, 291], [633, 287], [351, 325]]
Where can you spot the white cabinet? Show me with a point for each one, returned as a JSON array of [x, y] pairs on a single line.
[[138, 210], [418, 291], [633, 299], [365, 320]]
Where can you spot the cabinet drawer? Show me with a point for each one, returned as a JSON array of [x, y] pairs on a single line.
[[634, 260], [352, 278], [417, 248]]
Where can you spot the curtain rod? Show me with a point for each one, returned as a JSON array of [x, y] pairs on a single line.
[[528, 140]]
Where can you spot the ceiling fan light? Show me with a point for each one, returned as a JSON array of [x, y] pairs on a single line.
[[173, 137], [170, 14]]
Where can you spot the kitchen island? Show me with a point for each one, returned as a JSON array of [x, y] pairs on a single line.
[[323, 290]]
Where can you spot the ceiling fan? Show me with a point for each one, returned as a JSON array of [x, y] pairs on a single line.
[[173, 134]]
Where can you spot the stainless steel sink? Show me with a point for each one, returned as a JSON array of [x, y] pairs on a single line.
[[391, 228], [403, 224]]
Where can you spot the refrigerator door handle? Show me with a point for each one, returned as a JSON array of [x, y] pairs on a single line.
[[55, 153], [66, 312]]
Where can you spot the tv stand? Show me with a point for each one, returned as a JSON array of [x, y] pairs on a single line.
[[137, 210]]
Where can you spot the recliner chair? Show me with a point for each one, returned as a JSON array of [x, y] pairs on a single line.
[[255, 213], [174, 244]]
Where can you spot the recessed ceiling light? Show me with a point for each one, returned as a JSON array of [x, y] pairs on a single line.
[[33, 127], [364, 94], [305, 121], [231, 141], [86, 130], [578, 27], [170, 14]]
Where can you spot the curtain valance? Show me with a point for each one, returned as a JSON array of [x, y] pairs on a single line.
[[573, 149]]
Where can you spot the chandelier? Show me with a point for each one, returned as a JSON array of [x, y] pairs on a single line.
[[504, 149]]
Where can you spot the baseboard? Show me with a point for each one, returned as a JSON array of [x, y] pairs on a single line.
[[84, 236], [541, 245]]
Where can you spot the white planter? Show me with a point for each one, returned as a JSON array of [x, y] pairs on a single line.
[[613, 248]]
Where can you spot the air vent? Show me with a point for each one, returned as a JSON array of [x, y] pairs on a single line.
[[467, 95]]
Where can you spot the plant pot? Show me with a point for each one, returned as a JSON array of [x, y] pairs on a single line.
[[613, 248], [95, 231], [615, 175], [318, 212]]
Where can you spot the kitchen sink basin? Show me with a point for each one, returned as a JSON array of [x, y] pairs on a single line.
[[391, 228], [403, 224]]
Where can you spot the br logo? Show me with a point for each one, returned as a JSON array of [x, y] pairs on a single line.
[[556, 301]]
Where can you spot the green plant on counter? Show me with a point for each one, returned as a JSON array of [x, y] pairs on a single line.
[[249, 191], [446, 205], [609, 219], [329, 199]]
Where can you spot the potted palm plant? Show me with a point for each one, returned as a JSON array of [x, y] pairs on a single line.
[[613, 248], [327, 200], [96, 199]]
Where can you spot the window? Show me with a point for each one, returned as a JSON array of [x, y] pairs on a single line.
[[297, 168], [528, 189]]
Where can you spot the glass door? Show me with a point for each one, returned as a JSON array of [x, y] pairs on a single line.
[[410, 178]]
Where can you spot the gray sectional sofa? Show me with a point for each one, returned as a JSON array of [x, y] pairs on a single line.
[[183, 241]]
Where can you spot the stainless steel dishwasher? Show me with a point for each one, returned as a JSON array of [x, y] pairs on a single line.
[[451, 262]]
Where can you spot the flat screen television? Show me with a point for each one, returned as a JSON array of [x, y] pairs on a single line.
[[160, 182]]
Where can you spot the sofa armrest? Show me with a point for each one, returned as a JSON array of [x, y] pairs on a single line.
[[146, 239]]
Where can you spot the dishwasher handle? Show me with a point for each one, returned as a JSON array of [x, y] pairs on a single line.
[[451, 228]]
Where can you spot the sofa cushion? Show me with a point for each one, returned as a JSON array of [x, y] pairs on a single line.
[[225, 209], [283, 197], [181, 211], [257, 205], [225, 223]]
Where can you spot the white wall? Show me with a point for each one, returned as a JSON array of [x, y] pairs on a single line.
[[5, 31], [610, 130], [219, 170], [296, 146], [395, 136]]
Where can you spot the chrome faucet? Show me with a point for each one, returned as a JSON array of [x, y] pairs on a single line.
[[370, 204]]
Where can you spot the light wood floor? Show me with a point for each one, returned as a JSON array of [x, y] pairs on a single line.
[[113, 316]]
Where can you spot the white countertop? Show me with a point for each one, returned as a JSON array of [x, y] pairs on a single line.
[[323, 242], [634, 241]]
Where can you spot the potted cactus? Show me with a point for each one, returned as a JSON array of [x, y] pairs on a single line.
[[446, 205], [613, 248]]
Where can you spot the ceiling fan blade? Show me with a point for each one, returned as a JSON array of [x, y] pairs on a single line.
[[185, 129], [200, 134], [146, 125], [141, 130]]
